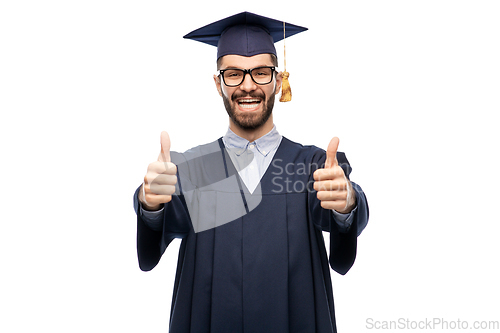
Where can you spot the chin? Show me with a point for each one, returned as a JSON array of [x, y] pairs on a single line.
[[249, 120]]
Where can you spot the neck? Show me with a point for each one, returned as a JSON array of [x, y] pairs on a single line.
[[252, 134]]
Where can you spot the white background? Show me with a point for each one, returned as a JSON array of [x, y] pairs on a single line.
[[86, 87]]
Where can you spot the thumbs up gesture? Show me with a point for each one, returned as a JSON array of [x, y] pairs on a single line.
[[334, 189], [159, 182]]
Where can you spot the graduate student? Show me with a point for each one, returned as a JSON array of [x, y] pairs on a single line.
[[251, 207]]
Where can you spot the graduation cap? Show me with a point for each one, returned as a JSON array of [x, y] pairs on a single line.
[[248, 34]]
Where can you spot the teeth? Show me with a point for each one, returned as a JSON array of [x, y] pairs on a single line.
[[249, 103], [249, 100], [248, 106]]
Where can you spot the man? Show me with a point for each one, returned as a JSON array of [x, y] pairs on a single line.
[[251, 207]]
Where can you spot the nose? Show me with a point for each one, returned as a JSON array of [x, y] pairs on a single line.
[[248, 84]]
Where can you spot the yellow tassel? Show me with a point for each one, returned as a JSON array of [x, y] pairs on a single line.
[[286, 91]]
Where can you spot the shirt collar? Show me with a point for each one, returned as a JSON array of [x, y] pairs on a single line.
[[264, 144]]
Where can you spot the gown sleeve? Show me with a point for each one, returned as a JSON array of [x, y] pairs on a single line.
[[343, 243], [151, 244]]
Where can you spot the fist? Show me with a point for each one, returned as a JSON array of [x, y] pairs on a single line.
[[159, 182], [334, 189]]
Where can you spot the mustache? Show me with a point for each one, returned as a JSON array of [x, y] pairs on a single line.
[[253, 94]]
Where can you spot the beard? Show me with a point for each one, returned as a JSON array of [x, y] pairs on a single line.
[[250, 120]]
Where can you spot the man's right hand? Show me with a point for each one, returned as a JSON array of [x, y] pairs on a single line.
[[159, 182]]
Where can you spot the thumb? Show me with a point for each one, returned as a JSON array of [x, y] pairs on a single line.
[[165, 148], [331, 153]]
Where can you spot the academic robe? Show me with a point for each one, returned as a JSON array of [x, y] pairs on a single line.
[[265, 271]]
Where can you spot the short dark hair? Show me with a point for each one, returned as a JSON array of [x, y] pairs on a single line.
[[274, 60]]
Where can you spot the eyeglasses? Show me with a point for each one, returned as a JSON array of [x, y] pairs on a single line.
[[233, 77]]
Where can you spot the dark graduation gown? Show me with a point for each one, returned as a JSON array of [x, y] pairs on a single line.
[[266, 271]]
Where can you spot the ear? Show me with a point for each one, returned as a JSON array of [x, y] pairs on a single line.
[[279, 80], [217, 84]]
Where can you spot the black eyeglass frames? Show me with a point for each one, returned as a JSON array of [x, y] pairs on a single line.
[[233, 77]]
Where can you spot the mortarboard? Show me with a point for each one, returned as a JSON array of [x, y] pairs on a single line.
[[247, 34]]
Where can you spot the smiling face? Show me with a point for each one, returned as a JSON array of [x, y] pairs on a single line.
[[248, 105]]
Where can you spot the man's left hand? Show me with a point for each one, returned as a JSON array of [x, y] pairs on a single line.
[[334, 189]]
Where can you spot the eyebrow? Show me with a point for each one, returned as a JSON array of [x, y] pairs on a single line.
[[234, 67]]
